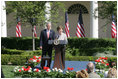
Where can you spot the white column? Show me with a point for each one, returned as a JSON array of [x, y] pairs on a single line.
[[47, 10], [93, 19], [3, 20]]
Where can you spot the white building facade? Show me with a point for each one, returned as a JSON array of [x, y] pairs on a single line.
[[93, 26]]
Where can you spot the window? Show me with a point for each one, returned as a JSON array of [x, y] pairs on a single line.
[[75, 9]]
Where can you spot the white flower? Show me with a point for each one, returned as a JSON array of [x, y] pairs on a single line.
[[56, 69], [67, 71], [49, 70], [14, 70], [95, 62], [34, 60], [99, 63], [29, 71], [61, 71], [53, 70], [39, 70], [100, 60], [16, 67], [37, 56], [34, 69]]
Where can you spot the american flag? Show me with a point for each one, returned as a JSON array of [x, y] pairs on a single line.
[[113, 29], [67, 25], [18, 30], [35, 31], [80, 27]]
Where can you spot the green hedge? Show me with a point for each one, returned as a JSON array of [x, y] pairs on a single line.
[[20, 52], [69, 51], [14, 59], [25, 43], [22, 59], [91, 42], [89, 51]]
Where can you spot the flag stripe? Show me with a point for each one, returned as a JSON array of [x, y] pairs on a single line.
[[113, 30], [67, 25], [18, 30], [80, 27]]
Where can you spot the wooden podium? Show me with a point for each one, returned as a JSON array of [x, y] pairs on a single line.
[[58, 44]]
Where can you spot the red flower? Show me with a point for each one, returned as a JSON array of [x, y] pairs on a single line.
[[45, 68], [34, 57], [107, 64], [106, 58], [25, 69], [100, 57], [37, 70], [72, 68], [29, 67], [103, 57], [69, 68], [22, 67], [31, 59], [102, 62], [96, 60], [19, 70], [86, 69], [38, 61], [39, 57]]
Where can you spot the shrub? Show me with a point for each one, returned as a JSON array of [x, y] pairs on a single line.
[[22, 59], [14, 59], [5, 59], [91, 42], [25, 43], [20, 52], [89, 51]]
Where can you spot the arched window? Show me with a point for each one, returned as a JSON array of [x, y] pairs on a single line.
[[75, 9]]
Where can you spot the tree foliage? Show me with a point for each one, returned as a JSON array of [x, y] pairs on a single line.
[[27, 10], [107, 9]]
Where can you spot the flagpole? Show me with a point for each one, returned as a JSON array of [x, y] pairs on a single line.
[[33, 39]]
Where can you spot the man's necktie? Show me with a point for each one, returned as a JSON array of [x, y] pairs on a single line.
[[47, 34]]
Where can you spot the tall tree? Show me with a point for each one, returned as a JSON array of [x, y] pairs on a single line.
[[107, 9], [33, 12]]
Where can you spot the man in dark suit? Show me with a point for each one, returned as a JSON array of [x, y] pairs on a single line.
[[46, 34]]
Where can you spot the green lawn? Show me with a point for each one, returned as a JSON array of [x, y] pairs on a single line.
[[8, 71]]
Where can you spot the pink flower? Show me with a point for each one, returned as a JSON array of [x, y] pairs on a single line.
[[102, 62], [86, 69]]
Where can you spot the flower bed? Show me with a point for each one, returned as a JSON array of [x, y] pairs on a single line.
[[31, 71], [102, 65]]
